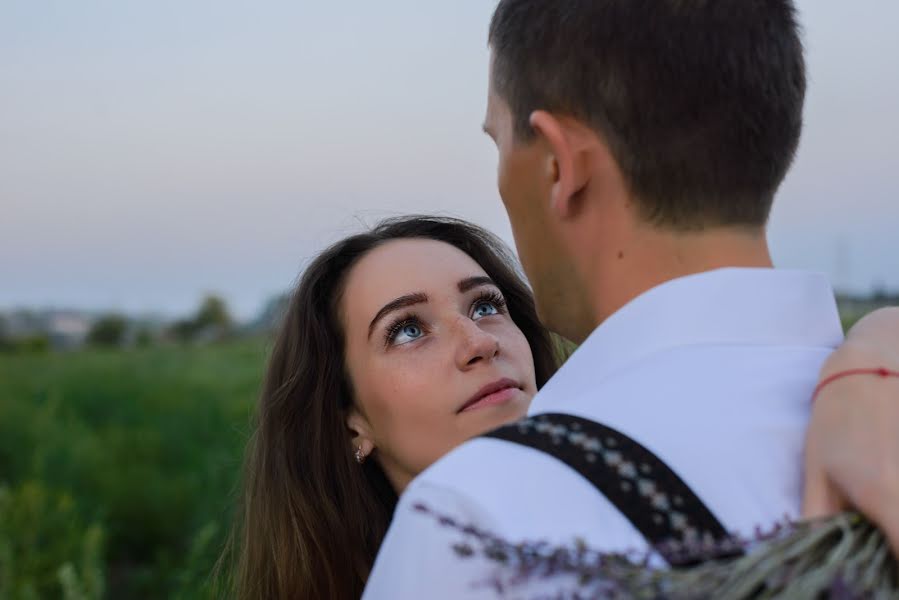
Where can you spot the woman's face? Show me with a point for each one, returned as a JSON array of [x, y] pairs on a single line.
[[432, 354]]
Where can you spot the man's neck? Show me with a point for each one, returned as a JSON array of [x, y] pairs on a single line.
[[652, 257]]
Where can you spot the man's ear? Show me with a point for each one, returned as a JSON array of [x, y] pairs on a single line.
[[362, 440], [566, 161]]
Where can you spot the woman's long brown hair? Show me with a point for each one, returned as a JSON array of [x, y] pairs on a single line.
[[311, 519]]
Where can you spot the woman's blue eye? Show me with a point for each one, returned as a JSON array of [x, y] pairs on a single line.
[[408, 333], [485, 309]]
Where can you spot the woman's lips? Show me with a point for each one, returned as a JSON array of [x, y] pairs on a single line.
[[496, 393]]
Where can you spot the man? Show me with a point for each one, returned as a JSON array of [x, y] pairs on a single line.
[[640, 148]]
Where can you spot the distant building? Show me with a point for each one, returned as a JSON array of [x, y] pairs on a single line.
[[63, 329], [68, 330]]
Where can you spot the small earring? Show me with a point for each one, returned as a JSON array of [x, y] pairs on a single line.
[[360, 455]]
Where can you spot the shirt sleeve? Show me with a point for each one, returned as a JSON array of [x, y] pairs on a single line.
[[417, 558]]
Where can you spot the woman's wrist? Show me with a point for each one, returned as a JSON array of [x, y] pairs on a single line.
[[857, 354], [872, 343]]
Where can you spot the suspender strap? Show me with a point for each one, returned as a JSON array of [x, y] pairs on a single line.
[[640, 485]]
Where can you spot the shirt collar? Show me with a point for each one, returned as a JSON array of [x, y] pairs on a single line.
[[731, 306]]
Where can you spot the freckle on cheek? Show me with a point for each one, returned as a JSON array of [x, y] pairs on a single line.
[[620, 255]]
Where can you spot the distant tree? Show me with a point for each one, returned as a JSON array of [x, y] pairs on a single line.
[[37, 343], [183, 329], [211, 321], [109, 330], [5, 342], [213, 312]]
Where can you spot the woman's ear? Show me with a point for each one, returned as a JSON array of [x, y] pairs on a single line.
[[362, 441]]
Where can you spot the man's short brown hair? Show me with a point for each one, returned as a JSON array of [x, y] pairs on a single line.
[[700, 101]]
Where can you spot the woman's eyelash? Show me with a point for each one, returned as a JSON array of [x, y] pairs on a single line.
[[397, 326], [493, 297]]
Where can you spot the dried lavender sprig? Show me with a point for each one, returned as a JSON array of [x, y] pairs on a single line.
[[841, 557], [526, 562]]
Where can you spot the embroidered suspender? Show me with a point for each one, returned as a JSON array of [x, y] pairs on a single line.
[[640, 485]]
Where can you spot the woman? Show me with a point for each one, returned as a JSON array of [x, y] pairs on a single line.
[[398, 344]]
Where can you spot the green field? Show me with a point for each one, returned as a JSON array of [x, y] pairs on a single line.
[[118, 469]]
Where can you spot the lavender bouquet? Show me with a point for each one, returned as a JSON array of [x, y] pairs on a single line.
[[841, 557]]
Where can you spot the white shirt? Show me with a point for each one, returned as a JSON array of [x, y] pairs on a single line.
[[712, 372]]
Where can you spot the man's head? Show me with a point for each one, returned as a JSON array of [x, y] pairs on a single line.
[[675, 116]]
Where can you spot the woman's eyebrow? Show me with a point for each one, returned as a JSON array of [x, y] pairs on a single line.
[[473, 282], [394, 305]]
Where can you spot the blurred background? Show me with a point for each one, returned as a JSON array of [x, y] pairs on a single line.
[[166, 170]]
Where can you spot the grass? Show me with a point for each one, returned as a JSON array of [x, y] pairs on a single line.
[[118, 468], [122, 462]]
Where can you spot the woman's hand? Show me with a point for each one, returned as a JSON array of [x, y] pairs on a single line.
[[852, 445]]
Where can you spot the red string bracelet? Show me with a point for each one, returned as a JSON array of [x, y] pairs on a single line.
[[880, 372]]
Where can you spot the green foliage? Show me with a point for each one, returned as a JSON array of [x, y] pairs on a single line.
[[564, 348], [213, 312], [5, 342], [131, 457], [45, 548], [212, 321], [143, 338], [32, 344], [108, 331], [193, 578], [184, 329], [849, 320]]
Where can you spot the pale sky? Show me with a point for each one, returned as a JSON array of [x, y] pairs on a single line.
[[151, 151]]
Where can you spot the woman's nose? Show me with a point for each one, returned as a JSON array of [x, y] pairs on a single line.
[[475, 344]]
